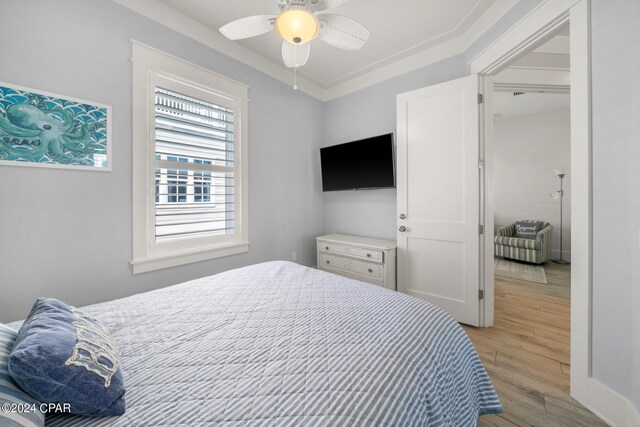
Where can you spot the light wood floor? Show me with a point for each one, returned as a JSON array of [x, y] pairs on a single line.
[[527, 353]]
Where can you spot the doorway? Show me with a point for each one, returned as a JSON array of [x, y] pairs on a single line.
[[533, 31], [531, 168], [527, 351], [537, 28]]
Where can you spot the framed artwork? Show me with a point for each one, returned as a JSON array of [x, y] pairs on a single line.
[[43, 129]]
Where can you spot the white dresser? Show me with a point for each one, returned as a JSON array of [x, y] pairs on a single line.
[[362, 258]]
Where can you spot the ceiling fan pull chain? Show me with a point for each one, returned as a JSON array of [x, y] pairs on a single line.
[[295, 69]]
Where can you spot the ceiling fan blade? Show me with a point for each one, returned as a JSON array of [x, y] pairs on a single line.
[[295, 55], [343, 32], [250, 26], [321, 5]]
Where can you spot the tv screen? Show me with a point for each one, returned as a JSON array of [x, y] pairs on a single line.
[[358, 165]]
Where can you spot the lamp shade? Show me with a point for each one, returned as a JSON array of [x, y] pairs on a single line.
[[297, 26]]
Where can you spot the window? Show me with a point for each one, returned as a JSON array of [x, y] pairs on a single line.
[[189, 163]]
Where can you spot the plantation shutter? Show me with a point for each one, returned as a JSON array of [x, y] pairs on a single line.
[[194, 175]]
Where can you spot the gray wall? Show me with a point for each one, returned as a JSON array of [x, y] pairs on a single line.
[[369, 112], [526, 151], [66, 233], [616, 198]]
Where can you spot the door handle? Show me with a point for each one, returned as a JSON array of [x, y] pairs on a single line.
[[402, 229], [403, 216]]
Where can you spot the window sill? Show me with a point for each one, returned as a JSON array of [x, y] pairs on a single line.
[[144, 265]]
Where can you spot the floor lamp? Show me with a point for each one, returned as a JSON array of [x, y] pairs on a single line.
[[560, 195]]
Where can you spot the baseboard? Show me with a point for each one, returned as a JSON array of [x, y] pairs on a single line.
[[610, 406], [634, 416], [555, 254]]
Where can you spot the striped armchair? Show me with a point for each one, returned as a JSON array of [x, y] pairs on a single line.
[[536, 251]]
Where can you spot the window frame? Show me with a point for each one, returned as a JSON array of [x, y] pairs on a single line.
[[153, 68]]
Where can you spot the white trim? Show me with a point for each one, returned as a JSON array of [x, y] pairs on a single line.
[[418, 60], [151, 66], [486, 188], [389, 68], [169, 17], [145, 265], [170, 65], [610, 406], [581, 201], [531, 88], [431, 55], [634, 416]]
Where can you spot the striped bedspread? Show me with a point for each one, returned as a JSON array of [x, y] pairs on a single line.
[[280, 344]]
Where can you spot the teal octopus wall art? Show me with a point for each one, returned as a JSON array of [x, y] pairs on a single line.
[[43, 129]]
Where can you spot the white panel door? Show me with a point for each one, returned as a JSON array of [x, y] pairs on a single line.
[[438, 183]]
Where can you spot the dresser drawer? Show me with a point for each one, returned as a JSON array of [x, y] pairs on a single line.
[[333, 247], [327, 260], [368, 254], [374, 271], [352, 251], [359, 268]]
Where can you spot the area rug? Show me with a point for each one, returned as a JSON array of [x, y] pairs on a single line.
[[520, 271]]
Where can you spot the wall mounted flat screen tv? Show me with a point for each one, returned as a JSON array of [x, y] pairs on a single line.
[[359, 165]]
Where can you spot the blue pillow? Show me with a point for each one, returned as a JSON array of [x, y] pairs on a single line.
[[63, 356], [11, 394]]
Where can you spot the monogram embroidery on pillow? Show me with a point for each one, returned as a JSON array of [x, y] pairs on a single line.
[[522, 229], [93, 350]]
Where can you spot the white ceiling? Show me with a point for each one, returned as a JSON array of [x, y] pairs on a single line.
[[397, 30], [404, 36]]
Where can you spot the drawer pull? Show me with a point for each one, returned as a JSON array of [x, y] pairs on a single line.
[[326, 247], [370, 270], [328, 262], [368, 255]]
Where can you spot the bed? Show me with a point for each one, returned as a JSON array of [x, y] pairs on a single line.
[[281, 344]]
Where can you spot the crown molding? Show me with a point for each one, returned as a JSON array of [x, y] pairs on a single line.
[[441, 51], [475, 31], [169, 17], [180, 23]]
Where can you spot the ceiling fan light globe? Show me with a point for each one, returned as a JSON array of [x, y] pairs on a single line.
[[297, 26]]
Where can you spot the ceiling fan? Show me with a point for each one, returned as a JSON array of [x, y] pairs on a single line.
[[299, 22]]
